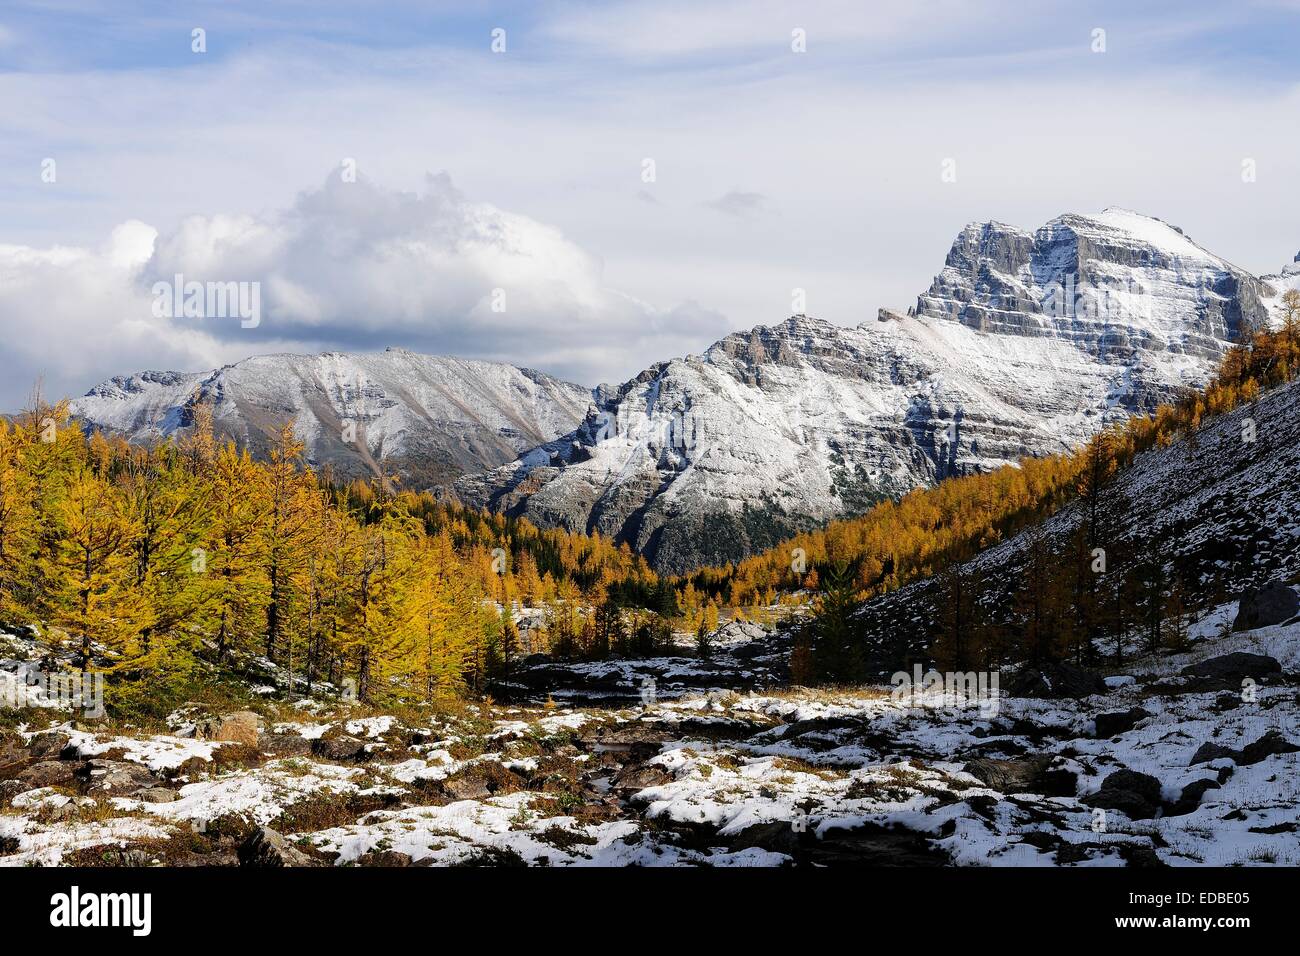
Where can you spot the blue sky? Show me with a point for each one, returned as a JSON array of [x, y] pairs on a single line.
[[774, 169]]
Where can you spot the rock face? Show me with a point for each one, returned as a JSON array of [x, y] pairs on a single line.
[[1121, 286], [426, 417], [1024, 344]]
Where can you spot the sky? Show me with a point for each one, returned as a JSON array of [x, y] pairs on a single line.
[[615, 184]]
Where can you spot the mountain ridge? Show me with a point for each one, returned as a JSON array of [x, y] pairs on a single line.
[[427, 418], [1024, 344]]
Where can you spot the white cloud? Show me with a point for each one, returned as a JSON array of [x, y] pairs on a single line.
[[69, 315], [349, 265], [660, 28]]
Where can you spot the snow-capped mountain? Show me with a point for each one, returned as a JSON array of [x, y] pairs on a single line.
[[1025, 343], [426, 418]]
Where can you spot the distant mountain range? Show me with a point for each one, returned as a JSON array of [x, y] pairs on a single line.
[[1025, 344], [426, 418]]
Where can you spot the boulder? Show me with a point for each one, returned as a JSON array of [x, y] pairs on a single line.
[[1055, 681], [1191, 796], [341, 747], [49, 773], [118, 777], [1118, 722], [1274, 603], [778, 836], [1024, 775], [49, 745], [641, 777], [10, 789], [240, 727], [1271, 744], [266, 848], [1136, 795], [13, 757], [157, 795], [286, 745], [481, 780], [1017, 775], [1142, 784], [1211, 751], [1234, 667], [388, 858], [1227, 701]]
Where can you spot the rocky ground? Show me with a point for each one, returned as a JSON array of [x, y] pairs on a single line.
[[1179, 760]]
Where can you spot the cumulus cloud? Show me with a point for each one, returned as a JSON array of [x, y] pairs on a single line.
[[349, 265], [70, 315]]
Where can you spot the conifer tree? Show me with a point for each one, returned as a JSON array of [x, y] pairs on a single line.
[[88, 569], [237, 592], [836, 650]]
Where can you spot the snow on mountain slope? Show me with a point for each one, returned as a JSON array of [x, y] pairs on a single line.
[[1220, 511], [1024, 344], [428, 418], [1280, 284]]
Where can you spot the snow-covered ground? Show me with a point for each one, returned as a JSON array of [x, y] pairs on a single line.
[[711, 776]]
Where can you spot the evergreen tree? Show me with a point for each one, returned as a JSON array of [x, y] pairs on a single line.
[[836, 649]]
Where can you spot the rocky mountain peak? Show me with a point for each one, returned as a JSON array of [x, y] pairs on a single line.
[[1026, 343]]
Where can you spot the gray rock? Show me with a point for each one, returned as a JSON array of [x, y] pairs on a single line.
[[1136, 795], [481, 780], [1055, 681], [49, 745], [286, 745], [267, 848], [1118, 722], [1018, 775], [777, 836], [641, 777], [117, 777], [341, 748], [1191, 796], [157, 795], [240, 727], [1271, 744], [1233, 667], [1274, 603], [1211, 751], [1039, 774], [10, 789], [49, 773]]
